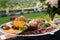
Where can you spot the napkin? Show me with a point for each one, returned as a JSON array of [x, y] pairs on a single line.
[[4, 36]]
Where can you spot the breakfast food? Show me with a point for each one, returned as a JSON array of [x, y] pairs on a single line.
[[12, 31], [17, 24], [23, 26], [20, 18]]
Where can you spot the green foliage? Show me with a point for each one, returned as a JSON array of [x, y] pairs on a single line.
[[39, 16], [13, 3], [3, 3], [29, 16], [42, 0]]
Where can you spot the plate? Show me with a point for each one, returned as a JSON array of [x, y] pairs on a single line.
[[52, 32]]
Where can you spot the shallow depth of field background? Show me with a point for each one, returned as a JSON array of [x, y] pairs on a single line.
[[18, 4]]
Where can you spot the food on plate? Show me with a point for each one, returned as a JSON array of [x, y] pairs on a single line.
[[44, 25], [17, 24], [21, 18], [5, 27], [32, 23], [23, 26], [49, 29], [12, 31]]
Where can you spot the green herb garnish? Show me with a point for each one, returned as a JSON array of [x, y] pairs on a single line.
[[23, 28], [45, 25]]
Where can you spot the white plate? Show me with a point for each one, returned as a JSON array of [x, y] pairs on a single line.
[[52, 32]]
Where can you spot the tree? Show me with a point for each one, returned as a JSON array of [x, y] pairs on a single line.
[[4, 3]]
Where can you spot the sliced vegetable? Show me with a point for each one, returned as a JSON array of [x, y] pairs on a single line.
[[23, 28], [54, 26], [45, 25], [12, 31], [5, 27]]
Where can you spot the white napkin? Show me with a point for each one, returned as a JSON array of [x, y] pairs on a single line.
[[2, 37]]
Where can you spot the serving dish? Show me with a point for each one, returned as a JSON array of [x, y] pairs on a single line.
[[52, 32]]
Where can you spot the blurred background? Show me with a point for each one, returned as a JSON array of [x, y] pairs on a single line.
[[32, 9]]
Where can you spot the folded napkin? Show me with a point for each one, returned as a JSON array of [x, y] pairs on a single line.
[[5, 36]]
